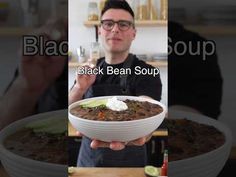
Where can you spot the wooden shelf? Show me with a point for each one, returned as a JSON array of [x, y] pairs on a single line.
[[153, 63], [163, 63], [150, 23], [14, 31], [213, 30]]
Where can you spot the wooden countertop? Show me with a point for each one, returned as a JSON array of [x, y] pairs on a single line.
[[72, 131], [108, 172], [98, 172], [3, 173]]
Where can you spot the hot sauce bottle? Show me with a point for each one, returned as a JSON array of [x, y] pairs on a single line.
[[164, 166]]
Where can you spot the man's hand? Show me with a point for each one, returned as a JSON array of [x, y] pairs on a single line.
[[38, 72], [115, 145], [83, 82]]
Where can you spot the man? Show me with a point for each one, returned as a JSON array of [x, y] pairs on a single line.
[[191, 79], [39, 82], [117, 32]]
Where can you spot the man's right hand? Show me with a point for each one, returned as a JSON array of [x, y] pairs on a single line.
[[83, 82], [38, 72]]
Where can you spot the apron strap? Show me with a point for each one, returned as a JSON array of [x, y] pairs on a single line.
[[124, 78], [100, 65]]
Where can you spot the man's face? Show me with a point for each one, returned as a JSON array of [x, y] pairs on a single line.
[[116, 40]]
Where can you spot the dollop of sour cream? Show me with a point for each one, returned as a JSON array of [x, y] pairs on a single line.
[[116, 105]]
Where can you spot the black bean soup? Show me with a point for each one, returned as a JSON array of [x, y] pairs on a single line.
[[39, 146], [187, 138], [136, 110]]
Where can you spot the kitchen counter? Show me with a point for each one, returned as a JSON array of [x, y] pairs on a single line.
[[108, 172], [98, 172], [3, 173]]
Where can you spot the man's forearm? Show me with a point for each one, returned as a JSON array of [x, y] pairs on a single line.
[[17, 103]]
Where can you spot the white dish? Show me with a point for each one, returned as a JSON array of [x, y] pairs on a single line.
[[122, 131], [18, 166], [207, 164]]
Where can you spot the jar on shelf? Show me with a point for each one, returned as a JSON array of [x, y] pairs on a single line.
[[142, 10], [164, 9], [101, 5], [93, 12], [94, 52], [30, 12], [152, 9]]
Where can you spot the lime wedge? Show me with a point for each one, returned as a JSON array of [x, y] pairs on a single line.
[[151, 171], [94, 103], [71, 170]]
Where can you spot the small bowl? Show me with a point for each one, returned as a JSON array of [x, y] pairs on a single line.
[[208, 164], [19, 166], [122, 131]]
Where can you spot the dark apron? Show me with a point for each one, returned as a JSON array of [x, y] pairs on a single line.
[[131, 156]]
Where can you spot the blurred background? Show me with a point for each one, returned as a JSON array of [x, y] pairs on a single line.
[[17, 18], [214, 20]]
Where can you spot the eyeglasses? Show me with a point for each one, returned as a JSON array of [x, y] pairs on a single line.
[[123, 25]]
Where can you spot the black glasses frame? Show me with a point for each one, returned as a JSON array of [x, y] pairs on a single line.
[[119, 23]]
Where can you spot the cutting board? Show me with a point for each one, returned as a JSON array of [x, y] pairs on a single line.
[[108, 172]]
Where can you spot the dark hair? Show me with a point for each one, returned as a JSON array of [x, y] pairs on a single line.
[[117, 4]]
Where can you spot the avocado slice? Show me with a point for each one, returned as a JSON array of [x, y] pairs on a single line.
[[94, 103], [51, 125]]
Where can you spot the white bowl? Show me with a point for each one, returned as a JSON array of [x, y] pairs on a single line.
[[18, 166], [207, 164], [122, 131]]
